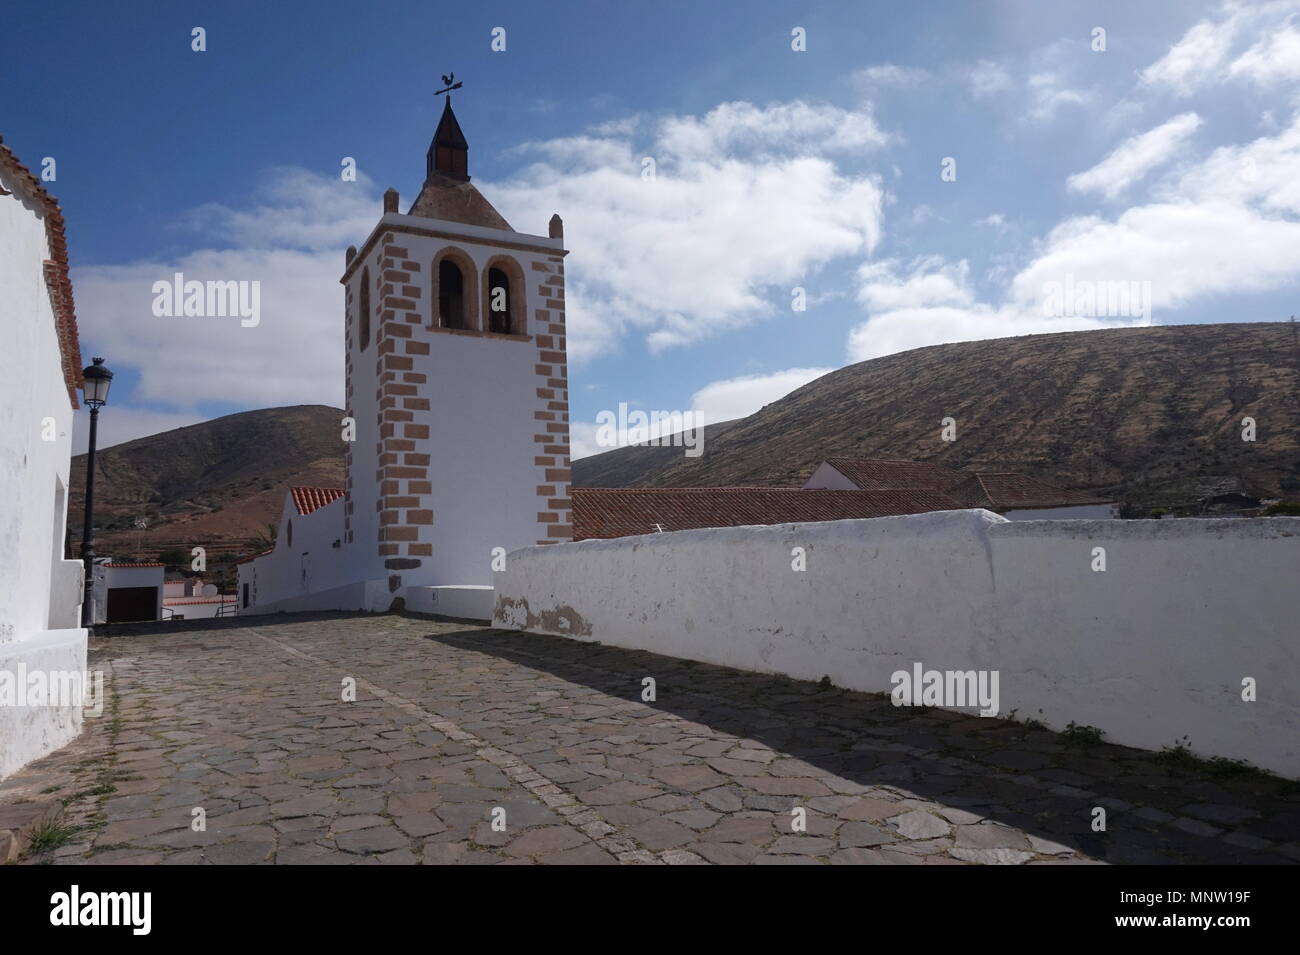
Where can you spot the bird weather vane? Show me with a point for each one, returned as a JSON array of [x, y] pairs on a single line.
[[449, 85]]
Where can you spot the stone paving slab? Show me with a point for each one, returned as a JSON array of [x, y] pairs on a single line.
[[234, 744]]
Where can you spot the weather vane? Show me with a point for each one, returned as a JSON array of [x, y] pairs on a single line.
[[449, 85]]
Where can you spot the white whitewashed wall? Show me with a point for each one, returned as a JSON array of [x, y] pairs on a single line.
[[1152, 650]]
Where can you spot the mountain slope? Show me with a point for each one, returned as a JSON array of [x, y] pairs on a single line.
[[622, 467], [216, 483], [1147, 415]]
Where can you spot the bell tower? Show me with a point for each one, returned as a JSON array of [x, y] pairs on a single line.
[[457, 380]]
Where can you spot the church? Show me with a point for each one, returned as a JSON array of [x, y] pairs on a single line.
[[457, 414]]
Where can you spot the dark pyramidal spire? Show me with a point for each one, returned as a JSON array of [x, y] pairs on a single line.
[[449, 152]]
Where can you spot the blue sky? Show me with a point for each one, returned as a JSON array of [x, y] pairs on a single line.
[[1169, 158]]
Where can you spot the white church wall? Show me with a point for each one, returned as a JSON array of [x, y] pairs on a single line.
[[1151, 650], [484, 482], [28, 732], [38, 625], [354, 596], [362, 523], [466, 602]]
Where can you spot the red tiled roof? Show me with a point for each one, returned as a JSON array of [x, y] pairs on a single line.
[[881, 473], [57, 282], [455, 201], [624, 512], [308, 499], [118, 564], [245, 560], [1005, 490]]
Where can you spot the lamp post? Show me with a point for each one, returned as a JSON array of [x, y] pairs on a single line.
[[94, 387]]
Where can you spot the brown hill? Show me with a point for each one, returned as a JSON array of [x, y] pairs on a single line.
[[216, 484], [1151, 416]]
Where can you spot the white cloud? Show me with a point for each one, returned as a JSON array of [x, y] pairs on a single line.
[[1185, 250], [889, 75], [1049, 93], [294, 356], [582, 440], [1273, 60], [909, 328], [1205, 53], [718, 401], [931, 302], [928, 282], [795, 128], [293, 208], [740, 210], [1220, 228], [1265, 172], [988, 78], [1135, 157], [738, 397], [290, 238], [1193, 60]]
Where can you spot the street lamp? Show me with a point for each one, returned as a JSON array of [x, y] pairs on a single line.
[[94, 387]]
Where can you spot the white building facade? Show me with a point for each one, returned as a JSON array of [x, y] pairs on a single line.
[[40, 371], [128, 591], [457, 410]]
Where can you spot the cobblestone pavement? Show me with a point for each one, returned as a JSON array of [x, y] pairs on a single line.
[[245, 721]]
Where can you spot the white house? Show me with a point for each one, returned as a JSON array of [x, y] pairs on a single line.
[[307, 557], [457, 421], [193, 598], [40, 371], [127, 592]]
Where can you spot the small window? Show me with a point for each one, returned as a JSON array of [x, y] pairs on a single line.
[[363, 311], [288, 533], [499, 304], [451, 295]]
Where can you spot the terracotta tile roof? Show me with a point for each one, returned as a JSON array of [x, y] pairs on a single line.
[[456, 201], [1005, 490], [881, 473], [57, 281], [252, 557], [308, 499], [624, 512], [118, 565], [995, 490]]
